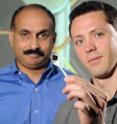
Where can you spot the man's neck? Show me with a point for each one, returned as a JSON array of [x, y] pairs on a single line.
[[34, 74], [108, 85]]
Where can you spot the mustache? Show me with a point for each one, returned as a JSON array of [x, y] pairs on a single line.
[[35, 51]]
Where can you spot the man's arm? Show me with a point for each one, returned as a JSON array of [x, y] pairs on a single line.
[[91, 101]]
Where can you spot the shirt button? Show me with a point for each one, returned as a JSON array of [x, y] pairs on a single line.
[[19, 72], [36, 89], [36, 111]]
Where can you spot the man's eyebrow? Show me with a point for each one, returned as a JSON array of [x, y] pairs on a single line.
[[43, 31], [92, 31], [98, 29], [78, 36], [24, 30]]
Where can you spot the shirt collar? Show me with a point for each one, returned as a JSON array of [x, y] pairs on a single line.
[[113, 100], [49, 71], [14, 67]]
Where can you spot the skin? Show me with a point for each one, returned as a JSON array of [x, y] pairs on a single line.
[[94, 40], [33, 29]]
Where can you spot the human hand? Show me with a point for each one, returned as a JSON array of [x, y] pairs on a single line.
[[90, 100]]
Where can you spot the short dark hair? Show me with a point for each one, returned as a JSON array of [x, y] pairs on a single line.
[[91, 6], [36, 6]]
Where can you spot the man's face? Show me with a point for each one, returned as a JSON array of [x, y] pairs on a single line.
[[95, 41], [32, 39]]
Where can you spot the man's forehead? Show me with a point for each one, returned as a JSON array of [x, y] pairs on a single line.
[[31, 19], [89, 19]]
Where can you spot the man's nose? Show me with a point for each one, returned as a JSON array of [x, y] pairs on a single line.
[[90, 46], [34, 42]]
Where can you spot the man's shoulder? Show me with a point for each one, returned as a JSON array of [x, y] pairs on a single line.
[[5, 70]]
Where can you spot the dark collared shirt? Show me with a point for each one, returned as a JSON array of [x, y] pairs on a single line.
[[68, 115], [23, 102]]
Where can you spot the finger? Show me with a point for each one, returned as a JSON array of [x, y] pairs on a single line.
[[70, 87], [79, 105], [77, 91], [100, 103], [86, 109], [83, 96], [75, 79], [98, 95], [70, 79], [98, 92]]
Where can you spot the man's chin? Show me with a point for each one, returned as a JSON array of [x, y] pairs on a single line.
[[36, 67]]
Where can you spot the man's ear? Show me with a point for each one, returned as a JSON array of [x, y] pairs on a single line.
[[55, 35], [11, 37]]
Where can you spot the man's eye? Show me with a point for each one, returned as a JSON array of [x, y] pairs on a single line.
[[99, 34], [78, 42], [24, 35], [44, 35]]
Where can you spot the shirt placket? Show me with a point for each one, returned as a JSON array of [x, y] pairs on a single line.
[[36, 106]]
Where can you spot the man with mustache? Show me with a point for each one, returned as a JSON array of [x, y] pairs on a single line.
[[30, 88], [93, 31]]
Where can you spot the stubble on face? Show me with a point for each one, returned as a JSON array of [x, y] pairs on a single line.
[[26, 56], [103, 58]]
